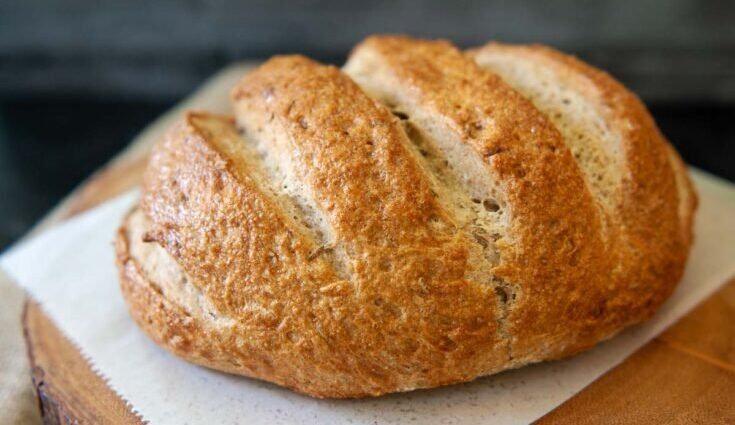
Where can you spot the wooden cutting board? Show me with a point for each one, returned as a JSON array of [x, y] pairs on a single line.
[[686, 375]]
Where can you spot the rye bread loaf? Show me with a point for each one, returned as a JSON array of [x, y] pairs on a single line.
[[422, 217]]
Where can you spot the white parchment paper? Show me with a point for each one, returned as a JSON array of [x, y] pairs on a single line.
[[70, 271]]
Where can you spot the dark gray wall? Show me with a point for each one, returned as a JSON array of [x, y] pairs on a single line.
[[667, 50]]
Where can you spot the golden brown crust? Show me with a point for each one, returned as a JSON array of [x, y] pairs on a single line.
[[382, 214], [307, 321], [401, 306], [191, 337], [655, 205], [541, 184], [371, 191]]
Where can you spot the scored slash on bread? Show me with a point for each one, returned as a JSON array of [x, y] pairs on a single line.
[[423, 217]]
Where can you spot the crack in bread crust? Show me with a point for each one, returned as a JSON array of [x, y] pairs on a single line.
[[478, 221], [340, 250], [513, 151], [649, 206], [573, 105]]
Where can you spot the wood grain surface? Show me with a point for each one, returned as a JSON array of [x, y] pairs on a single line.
[[686, 375], [68, 389]]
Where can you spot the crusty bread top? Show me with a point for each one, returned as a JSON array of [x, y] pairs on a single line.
[[227, 229], [413, 221], [535, 180], [650, 205]]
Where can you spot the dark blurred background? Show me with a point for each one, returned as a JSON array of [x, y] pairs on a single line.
[[79, 78]]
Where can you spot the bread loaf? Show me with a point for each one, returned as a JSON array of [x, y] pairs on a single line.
[[422, 217]]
